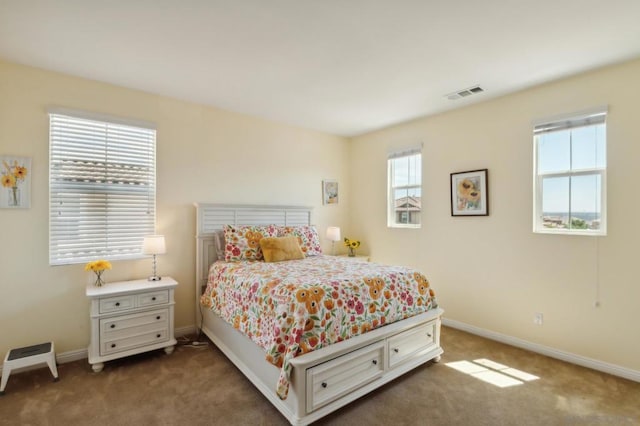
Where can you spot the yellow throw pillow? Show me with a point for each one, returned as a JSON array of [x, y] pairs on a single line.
[[277, 249]]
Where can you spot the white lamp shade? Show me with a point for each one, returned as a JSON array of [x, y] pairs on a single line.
[[333, 233], [153, 244]]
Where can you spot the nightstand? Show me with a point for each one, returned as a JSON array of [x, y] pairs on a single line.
[[356, 258], [130, 317]]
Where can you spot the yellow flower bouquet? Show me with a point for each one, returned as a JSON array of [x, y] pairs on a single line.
[[98, 266], [351, 245]]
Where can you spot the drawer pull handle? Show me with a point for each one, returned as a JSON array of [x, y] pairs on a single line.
[[324, 384], [153, 298], [396, 350], [158, 335], [117, 303], [428, 334], [113, 345], [113, 326], [375, 362], [158, 317]]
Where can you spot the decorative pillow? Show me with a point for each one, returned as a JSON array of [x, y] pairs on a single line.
[[218, 238], [277, 249], [243, 242], [307, 238]]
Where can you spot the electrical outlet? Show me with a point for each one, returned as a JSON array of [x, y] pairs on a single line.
[[537, 318]]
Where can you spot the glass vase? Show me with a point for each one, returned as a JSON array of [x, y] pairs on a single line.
[[14, 196], [352, 252], [99, 282]]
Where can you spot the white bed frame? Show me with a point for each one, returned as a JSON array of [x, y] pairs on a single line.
[[326, 379]]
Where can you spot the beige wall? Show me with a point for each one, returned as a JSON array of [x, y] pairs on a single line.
[[490, 272], [493, 272], [203, 154]]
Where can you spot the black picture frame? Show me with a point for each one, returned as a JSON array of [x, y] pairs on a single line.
[[470, 193]]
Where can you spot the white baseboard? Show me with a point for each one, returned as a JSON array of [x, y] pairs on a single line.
[[594, 364], [183, 331], [71, 356], [75, 355]]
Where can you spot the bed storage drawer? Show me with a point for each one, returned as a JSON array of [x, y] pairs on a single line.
[[329, 381], [409, 343]]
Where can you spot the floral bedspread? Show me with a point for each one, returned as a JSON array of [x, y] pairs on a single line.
[[293, 307]]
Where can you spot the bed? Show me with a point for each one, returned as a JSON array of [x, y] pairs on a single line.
[[307, 376]]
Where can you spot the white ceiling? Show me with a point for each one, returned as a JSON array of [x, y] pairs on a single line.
[[340, 66]]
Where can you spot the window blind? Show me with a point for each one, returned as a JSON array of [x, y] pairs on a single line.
[[101, 189], [405, 152], [588, 119]]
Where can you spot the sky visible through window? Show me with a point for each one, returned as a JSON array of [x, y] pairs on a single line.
[[576, 149], [407, 171], [405, 185]]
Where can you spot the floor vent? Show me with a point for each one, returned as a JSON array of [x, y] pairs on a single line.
[[464, 93]]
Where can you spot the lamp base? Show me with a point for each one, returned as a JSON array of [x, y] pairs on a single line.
[[154, 278]]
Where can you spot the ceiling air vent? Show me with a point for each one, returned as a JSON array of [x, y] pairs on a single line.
[[464, 93]]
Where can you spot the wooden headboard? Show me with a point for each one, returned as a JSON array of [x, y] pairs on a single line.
[[212, 217]]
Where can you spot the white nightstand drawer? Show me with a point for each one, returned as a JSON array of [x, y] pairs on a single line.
[[119, 345], [153, 298], [116, 304], [331, 380], [124, 326], [411, 342]]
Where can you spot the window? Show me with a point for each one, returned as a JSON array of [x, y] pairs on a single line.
[[101, 188], [570, 175], [405, 189]]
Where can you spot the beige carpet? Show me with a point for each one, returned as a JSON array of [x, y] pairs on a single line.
[[199, 386]]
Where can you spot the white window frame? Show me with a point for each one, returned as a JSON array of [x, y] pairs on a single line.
[[102, 186], [566, 122], [391, 187]]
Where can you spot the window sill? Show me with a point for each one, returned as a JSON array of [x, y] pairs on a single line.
[[567, 232], [404, 226]]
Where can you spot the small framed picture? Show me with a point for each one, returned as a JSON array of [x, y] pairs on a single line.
[[15, 172], [329, 192], [469, 193]]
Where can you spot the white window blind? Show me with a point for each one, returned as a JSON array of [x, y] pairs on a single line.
[[101, 189], [589, 119]]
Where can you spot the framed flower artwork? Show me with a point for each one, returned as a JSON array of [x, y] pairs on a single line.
[[15, 173], [469, 193], [329, 192]]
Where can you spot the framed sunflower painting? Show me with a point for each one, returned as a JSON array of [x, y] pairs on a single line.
[[469, 193], [15, 173]]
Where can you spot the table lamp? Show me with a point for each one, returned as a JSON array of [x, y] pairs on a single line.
[[154, 245], [333, 235]]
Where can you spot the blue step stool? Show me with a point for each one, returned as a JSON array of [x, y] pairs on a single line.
[[26, 357]]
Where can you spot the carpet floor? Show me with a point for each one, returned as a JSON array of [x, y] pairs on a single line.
[[199, 386]]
